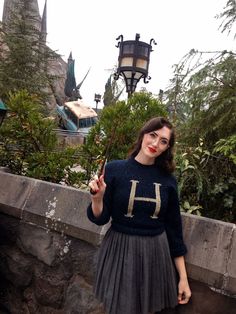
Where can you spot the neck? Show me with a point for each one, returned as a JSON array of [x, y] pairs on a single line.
[[144, 160]]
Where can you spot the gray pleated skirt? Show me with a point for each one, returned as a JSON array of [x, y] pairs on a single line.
[[135, 274]]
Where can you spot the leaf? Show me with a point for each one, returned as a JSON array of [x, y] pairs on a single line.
[[186, 205]]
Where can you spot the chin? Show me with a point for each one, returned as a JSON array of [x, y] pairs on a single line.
[[151, 155]]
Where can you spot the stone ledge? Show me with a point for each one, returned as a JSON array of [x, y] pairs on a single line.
[[211, 244], [211, 256], [231, 269], [49, 205]]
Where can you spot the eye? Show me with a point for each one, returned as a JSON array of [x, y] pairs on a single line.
[[164, 142], [152, 134]]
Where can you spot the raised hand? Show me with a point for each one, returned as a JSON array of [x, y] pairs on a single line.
[[97, 186]]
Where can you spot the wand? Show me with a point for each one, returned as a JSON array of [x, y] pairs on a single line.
[[104, 160]]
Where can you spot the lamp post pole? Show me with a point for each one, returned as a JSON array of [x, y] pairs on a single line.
[[133, 62], [97, 99]]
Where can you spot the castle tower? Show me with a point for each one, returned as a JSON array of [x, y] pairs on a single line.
[[44, 24], [13, 5], [57, 66]]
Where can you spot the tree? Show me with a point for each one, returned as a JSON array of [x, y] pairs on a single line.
[[209, 92], [203, 92], [206, 143], [228, 16], [25, 57], [29, 144], [112, 91], [174, 99], [118, 126]]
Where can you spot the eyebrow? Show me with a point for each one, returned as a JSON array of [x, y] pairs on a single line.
[[164, 138]]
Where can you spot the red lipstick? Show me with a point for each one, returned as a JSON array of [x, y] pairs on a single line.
[[152, 150]]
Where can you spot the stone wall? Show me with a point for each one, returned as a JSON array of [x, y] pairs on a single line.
[[211, 254], [49, 248], [43, 271]]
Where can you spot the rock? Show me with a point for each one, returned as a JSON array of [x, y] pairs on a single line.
[[16, 267], [80, 298]]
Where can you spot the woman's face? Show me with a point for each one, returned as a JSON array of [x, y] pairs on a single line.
[[154, 144]]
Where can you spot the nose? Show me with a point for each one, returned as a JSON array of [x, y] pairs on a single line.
[[155, 142]]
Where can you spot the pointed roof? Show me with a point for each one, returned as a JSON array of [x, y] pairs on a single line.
[[44, 23], [71, 89], [70, 57], [70, 82]]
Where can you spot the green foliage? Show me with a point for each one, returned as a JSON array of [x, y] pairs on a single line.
[[194, 209], [228, 17], [207, 181], [51, 166], [112, 92], [227, 147], [29, 144], [119, 125], [212, 96], [204, 94], [174, 96], [189, 165]]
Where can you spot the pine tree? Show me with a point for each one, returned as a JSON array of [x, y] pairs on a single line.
[[228, 17], [112, 92], [25, 57]]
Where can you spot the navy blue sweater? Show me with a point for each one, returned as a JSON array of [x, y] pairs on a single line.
[[141, 200]]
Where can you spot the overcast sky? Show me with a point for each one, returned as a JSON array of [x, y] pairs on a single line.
[[89, 29]]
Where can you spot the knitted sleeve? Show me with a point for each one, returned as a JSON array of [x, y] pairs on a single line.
[[173, 224], [107, 201]]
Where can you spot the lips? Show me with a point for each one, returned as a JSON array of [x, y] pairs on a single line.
[[152, 150]]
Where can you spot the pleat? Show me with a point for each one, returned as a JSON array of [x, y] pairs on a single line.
[[135, 274]]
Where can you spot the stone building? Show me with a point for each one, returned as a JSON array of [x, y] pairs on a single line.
[[57, 67]]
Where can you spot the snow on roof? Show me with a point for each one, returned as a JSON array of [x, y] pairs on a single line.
[[80, 109]]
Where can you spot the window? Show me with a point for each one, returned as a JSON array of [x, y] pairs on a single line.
[[71, 116], [87, 122]]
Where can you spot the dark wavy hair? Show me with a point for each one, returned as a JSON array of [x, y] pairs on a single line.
[[166, 159]]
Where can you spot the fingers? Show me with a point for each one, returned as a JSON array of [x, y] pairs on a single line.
[[183, 297], [97, 185], [184, 291], [93, 184]]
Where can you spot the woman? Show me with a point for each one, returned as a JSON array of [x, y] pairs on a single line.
[[136, 273]]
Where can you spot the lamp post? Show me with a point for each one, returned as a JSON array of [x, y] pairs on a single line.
[[3, 111], [97, 99], [133, 61]]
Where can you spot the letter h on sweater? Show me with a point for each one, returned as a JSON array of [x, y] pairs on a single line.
[[133, 198]]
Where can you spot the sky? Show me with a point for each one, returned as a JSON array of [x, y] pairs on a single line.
[[89, 30]]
